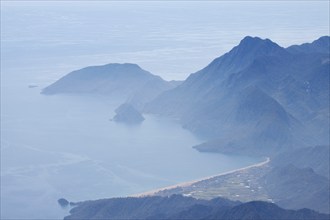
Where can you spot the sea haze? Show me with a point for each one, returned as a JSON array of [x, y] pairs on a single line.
[[66, 146], [171, 39]]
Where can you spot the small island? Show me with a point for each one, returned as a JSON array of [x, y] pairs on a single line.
[[63, 202], [126, 113]]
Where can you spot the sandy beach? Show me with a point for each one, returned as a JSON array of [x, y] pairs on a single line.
[[189, 183]]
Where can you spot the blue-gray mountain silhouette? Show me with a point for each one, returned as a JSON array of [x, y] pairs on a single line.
[[180, 207], [320, 45], [127, 81], [126, 113], [257, 98]]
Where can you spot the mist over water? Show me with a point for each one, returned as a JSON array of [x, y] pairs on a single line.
[[66, 146], [170, 39]]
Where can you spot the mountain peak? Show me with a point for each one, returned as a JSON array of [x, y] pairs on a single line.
[[258, 46], [250, 39], [321, 45], [256, 40], [243, 55], [122, 65], [324, 38], [123, 79], [323, 41]]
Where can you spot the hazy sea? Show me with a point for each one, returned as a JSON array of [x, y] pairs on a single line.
[[66, 146]]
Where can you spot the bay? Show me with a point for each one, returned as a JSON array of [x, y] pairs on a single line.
[[67, 146]]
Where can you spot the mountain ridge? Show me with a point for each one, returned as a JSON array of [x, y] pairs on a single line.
[[206, 102], [258, 99], [180, 207], [126, 81], [322, 45]]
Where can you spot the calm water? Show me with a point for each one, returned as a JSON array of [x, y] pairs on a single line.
[[168, 38], [65, 146]]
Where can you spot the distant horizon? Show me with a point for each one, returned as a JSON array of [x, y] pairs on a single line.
[[170, 39], [73, 134], [123, 63]]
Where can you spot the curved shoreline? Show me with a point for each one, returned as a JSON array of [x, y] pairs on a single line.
[[189, 183]]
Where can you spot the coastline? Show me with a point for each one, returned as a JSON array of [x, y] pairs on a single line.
[[189, 183]]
